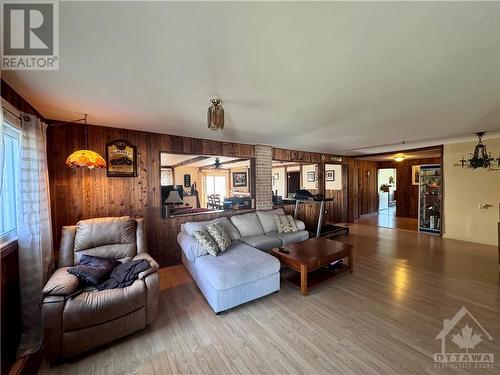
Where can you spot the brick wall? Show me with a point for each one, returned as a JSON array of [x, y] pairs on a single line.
[[263, 175]]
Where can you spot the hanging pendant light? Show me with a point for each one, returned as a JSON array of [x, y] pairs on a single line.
[[215, 115], [85, 158]]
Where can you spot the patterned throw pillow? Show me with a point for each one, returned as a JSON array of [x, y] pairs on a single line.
[[220, 236], [285, 223], [205, 240]]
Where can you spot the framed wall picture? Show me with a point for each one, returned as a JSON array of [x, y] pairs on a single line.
[[239, 179], [415, 173], [187, 180], [311, 176], [121, 159], [330, 175]]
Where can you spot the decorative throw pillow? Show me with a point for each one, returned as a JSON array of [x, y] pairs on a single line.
[[205, 240], [285, 223], [220, 236], [93, 270]]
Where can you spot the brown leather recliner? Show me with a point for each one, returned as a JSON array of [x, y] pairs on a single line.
[[74, 324]]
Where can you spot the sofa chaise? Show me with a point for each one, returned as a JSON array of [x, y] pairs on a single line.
[[244, 272]]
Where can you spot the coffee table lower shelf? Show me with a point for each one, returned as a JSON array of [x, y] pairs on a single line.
[[313, 277]]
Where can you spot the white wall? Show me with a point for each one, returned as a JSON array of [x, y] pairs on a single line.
[[306, 184], [337, 184], [279, 184], [464, 190]]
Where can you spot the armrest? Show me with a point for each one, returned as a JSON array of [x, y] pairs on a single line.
[[300, 224], [153, 265], [61, 283]]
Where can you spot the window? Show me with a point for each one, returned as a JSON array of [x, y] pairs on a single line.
[[166, 176], [9, 166], [216, 185]]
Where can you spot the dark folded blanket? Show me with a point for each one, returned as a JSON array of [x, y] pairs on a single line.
[[124, 274]]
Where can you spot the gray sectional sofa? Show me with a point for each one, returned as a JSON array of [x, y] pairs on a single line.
[[245, 271]]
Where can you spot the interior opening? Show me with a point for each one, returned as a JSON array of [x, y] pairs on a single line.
[[198, 183], [402, 195]]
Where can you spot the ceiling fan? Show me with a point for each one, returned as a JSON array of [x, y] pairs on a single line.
[[216, 165]]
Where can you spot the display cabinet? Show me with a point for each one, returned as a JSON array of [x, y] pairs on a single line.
[[430, 198]]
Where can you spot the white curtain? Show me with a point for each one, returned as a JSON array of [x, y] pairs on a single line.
[[34, 229]]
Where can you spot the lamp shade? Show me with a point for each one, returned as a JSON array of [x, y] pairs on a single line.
[[85, 158], [215, 115], [174, 198]]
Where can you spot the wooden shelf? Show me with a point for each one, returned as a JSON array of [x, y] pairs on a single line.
[[314, 277]]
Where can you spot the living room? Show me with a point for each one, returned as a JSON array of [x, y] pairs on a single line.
[[212, 200]]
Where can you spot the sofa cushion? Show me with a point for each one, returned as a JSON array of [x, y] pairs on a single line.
[[300, 225], [206, 240], [247, 224], [262, 242], [220, 236], [240, 264], [193, 226], [110, 237], [105, 231], [285, 223], [266, 219], [290, 237], [192, 248], [92, 308]]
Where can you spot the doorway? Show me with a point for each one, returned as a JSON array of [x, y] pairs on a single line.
[[293, 182], [386, 182]]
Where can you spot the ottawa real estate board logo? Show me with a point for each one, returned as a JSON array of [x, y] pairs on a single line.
[[30, 35], [459, 338]]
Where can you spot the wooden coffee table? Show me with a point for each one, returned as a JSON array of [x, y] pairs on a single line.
[[310, 257]]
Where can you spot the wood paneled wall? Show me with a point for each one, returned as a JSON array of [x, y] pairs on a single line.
[[282, 154], [406, 193], [367, 183], [81, 193]]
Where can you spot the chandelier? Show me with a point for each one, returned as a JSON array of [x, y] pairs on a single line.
[[480, 158], [215, 115]]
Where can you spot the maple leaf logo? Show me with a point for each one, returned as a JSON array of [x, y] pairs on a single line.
[[466, 339]]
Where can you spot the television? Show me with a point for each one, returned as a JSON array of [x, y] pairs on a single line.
[[165, 191]]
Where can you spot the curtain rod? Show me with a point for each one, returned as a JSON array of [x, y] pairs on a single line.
[[57, 123], [12, 113]]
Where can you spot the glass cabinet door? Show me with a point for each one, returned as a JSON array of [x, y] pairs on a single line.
[[430, 198]]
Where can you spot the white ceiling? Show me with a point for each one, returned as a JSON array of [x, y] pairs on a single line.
[[328, 76]]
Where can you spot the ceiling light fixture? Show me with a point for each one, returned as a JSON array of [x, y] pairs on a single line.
[[85, 158], [399, 158], [480, 158], [215, 115]]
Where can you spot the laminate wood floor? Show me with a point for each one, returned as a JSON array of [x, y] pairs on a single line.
[[387, 218], [382, 319]]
